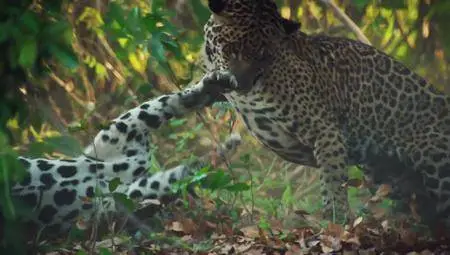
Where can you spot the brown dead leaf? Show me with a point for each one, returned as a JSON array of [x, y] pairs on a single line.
[[209, 205], [413, 207], [378, 212], [250, 231], [353, 240], [243, 248], [147, 202], [175, 226], [383, 190], [357, 221], [262, 235], [354, 183], [334, 230], [294, 249], [189, 226], [385, 225], [81, 224], [210, 225], [408, 237], [330, 243], [301, 212]]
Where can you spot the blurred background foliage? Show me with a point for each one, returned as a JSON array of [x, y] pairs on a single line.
[[68, 67]]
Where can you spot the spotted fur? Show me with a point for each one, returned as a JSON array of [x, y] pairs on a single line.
[[60, 191], [332, 102]]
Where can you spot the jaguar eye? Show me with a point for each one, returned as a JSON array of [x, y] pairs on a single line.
[[216, 6]]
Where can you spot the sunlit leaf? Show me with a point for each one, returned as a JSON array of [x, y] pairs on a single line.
[[177, 122], [100, 70], [136, 63]]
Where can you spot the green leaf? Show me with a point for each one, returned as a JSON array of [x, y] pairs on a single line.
[[237, 187], [245, 158], [28, 53], [113, 184], [287, 197], [66, 145], [201, 12], [157, 49], [64, 55], [105, 251], [393, 4], [360, 4], [30, 21], [4, 28], [217, 180], [124, 200], [177, 122]]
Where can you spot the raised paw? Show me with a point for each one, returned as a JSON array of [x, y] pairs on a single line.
[[219, 82]]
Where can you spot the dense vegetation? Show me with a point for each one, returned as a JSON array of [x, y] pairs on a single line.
[[68, 67]]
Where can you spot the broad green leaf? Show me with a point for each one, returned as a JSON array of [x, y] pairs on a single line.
[[360, 4], [393, 4], [30, 21], [124, 200], [217, 180], [287, 197], [113, 184], [66, 145], [177, 122], [105, 251], [237, 187], [201, 12], [157, 49], [64, 55], [28, 53], [4, 34]]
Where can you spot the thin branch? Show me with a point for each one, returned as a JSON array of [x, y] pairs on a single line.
[[346, 20]]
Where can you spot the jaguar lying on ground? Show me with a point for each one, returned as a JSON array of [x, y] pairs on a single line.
[[61, 191], [331, 102]]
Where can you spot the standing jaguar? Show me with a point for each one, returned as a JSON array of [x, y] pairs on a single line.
[[60, 191], [331, 102]]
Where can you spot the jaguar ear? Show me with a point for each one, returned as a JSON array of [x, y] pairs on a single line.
[[290, 26], [216, 6]]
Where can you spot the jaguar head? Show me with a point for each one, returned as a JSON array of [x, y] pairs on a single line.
[[262, 13]]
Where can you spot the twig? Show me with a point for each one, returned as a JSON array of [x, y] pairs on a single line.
[[346, 20]]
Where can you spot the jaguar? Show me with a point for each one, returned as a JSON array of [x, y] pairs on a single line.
[[62, 191], [331, 102]]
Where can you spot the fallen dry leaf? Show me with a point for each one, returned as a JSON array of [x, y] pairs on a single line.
[[250, 231], [383, 190], [175, 226], [357, 221]]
